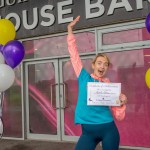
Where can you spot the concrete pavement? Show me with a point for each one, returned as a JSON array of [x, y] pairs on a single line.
[[37, 145]]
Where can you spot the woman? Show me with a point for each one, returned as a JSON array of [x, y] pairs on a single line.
[[96, 121]]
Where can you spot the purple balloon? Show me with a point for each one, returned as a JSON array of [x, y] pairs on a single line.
[[147, 23], [13, 53]]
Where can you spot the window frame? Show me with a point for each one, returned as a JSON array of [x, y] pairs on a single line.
[[122, 46]]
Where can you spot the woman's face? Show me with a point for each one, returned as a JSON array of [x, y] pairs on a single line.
[[100, 66]]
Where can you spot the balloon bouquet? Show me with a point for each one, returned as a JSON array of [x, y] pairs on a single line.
[[11, 54], [147, 75]]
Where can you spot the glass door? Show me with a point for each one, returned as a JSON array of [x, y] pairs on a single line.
[[42, 100], [69, 90]]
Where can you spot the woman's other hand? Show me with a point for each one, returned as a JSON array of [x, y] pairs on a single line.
[[123, 99]]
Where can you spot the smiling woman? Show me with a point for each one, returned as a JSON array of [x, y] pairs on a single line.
[[96, 120]]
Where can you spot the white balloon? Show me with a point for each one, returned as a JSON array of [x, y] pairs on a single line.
[[1, 127], [7, 77], [2, 60]]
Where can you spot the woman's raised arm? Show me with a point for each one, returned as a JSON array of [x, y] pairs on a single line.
[[72, 47]]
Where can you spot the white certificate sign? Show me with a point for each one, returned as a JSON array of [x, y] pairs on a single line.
[[105, 94]]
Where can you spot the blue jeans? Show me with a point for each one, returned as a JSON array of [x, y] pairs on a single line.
[[93, 134]]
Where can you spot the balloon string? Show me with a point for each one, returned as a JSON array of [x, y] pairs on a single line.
[[1, 107], [1, 103]]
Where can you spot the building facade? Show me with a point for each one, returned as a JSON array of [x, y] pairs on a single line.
[[41, 102]]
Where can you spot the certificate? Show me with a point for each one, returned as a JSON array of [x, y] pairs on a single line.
[[105, 94]]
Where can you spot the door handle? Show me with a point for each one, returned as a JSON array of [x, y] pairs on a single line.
[[1, 102], [51, 91], [65, 95]]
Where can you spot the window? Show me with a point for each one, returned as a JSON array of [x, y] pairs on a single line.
[[57, 45], [123, 37]]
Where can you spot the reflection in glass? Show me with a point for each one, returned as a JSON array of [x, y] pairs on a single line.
[[12, 108], [57, 46], [129, 68], [42, 116], [125, 36]]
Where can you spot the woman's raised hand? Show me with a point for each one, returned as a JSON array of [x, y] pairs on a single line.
[[72, 24]]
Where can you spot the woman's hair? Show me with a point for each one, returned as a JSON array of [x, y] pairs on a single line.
[[101, 55]]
